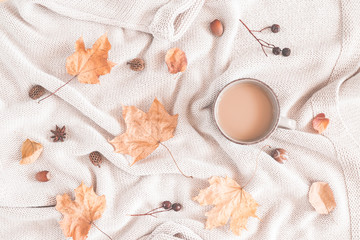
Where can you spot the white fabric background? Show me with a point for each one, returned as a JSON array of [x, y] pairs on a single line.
[[320, 76]]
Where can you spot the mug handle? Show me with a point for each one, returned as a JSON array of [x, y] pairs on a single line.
[[287, 123]]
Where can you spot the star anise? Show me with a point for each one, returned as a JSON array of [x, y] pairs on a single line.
[[59, 134]]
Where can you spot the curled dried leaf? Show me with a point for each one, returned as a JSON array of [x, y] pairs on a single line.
[[320, 122], [30, 151], [80, 214], [176, 60], [230, 200], [321, 197]]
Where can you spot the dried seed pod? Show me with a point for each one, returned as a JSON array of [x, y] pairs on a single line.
[[217, 28], [280, 155], [95, 158], [137, 64], [43, 176], [36, 92]]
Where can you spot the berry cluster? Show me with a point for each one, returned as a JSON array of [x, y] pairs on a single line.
[[275, 28], [166, 206]]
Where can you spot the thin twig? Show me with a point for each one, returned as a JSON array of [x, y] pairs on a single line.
[[101, 230], [175, 161], [257, 39], [153, 210], [257, 160], [261, 29], [150, 214]]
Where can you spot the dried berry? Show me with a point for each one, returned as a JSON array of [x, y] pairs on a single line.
[[275, 28], [276, 50], [95, 158], [280, 155], [36, 92], [176, 207], [59, 134], [43, 176], [216, 28], [137, 64], [286, 52], [166, 204]]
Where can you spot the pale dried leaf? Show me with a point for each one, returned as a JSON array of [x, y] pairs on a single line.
[[89, 64], [230, 200], [321, 197], [80, 213], [145, 131], [320, 122], [176, 60], [30, 151]]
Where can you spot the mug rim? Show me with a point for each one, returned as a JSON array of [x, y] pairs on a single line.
[[269, 132]]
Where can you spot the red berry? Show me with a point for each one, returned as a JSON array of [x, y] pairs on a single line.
[[166, 204], [176, 207]]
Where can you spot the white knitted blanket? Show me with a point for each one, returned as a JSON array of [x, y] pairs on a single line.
[[36, 36]]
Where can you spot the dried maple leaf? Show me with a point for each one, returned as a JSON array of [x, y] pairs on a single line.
[[80, 214], [230, 200], [321, 197], [30, 151], [89, 64], [145, 131], [320, 122], [176, 60]]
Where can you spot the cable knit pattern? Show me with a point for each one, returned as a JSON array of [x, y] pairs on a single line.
[[321, 75]]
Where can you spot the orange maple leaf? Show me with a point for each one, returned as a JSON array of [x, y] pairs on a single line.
[[89, 64], [145, 131], [80, 214], [230, 200]]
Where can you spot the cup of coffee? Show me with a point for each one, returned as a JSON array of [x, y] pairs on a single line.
[[247, 111]]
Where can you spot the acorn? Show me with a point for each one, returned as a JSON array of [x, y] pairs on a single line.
[[43, 176], [217, 28], [280, 155], [36, 92], [95, 158], [137, 64]]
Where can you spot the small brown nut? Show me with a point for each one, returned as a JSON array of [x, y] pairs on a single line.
[[95, 158], [137, 64], [36, 92], [43, 176], [280, 155], [217, 28]]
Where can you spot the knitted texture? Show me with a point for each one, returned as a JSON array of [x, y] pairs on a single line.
[[320, 75]]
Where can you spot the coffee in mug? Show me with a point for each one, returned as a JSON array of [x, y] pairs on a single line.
[[247, 111]]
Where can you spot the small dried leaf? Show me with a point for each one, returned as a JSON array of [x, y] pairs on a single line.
[[89, 64], [176, 60], [320, 122], [230, 200], [145, 131], [30, 151], [321, 197], [80, 213]]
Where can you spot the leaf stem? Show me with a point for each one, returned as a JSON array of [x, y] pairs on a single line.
[[175, 161], [257, 163], [101, 230], [58, 89]]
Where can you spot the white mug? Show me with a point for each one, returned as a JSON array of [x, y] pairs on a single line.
[[277, 121]]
